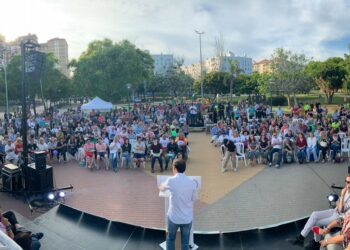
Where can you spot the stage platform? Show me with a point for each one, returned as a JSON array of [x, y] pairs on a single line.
[[66, 228]]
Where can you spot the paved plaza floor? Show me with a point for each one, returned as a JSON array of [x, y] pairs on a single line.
[[253, 197]]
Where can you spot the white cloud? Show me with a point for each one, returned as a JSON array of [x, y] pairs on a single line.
[[252, 27]]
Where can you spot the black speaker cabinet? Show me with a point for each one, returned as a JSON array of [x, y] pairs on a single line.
[[39, 180], [12, 180], [40, 160]]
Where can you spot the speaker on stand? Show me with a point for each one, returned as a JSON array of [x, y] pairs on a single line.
[[40, 175]]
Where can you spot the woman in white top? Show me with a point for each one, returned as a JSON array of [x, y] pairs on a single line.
[[42, 146], [114, 150], [311, 142]]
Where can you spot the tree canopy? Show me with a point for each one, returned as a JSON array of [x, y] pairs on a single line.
[[328, 75], [105, 69], [288, 75]]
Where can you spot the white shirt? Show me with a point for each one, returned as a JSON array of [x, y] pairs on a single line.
[[10, 152], [43, 147], [7, 242], [277, 142], [183, 193], [164, 142], [193, 110], [182, 119], [311, 142], [114, 147]]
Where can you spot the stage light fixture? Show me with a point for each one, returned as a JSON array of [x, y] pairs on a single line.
[[332, 197], [61, 194], [51, 196]]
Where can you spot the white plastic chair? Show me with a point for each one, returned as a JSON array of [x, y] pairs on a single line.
[[341, 135], [240, 153], [345, 146]]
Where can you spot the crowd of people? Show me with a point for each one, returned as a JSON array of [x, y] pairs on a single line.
[[307, 133], [120, 138], [158, 133]]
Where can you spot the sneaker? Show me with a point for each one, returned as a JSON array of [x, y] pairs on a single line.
[[298, 241], [235, 169], [223, 170], [270, 164], [38, 235], [323, 161], [313, 245], [277, 165]]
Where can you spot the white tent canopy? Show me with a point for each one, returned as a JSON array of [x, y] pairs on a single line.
[[97, 104]]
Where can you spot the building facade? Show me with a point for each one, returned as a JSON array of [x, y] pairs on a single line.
[[162, 63], [245, 64], [263, 66], [57, 46]]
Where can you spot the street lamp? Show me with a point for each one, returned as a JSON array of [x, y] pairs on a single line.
[[4, 66], [200, 33], [129, 87]]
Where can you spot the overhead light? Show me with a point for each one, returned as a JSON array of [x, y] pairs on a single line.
[[61, 194]]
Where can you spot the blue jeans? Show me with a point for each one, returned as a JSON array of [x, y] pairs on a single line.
[[185, 230], [301, 155], [335, 149], [113, 158], [35, 243], [309, 151], [126, 155]]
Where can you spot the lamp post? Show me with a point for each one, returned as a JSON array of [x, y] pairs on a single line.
[[4, 66], [129, 87], [200, 58], [26, 68]]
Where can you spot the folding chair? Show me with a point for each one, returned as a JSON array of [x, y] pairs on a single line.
[[240, 153]]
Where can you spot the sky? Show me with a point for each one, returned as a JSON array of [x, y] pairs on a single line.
[[318, 28]]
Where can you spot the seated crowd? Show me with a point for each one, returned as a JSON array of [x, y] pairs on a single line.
[[120, 138], [307, 134]]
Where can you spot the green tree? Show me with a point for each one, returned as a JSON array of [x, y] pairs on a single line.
[[347, 76], [288, 73], [234, 72], [328, 75], [52, 87], [214, 83], [249, 84], [105, 69]]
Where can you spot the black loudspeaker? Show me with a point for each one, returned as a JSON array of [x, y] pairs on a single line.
[[12, 180], [40, 160], [39, 180]]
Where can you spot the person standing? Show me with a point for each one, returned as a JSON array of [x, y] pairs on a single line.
[[183, 193], [228, 154]]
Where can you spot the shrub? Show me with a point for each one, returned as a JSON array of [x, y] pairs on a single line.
[[277, 101]]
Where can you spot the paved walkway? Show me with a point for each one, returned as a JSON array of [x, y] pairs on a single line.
[[253, 197]]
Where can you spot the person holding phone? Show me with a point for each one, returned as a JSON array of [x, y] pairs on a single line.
[[325, 217]]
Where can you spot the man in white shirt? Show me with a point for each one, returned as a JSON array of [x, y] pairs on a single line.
[[114, 150], [279, 112], [193, 114], [183, 193], [276, 143], [10, 152]]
